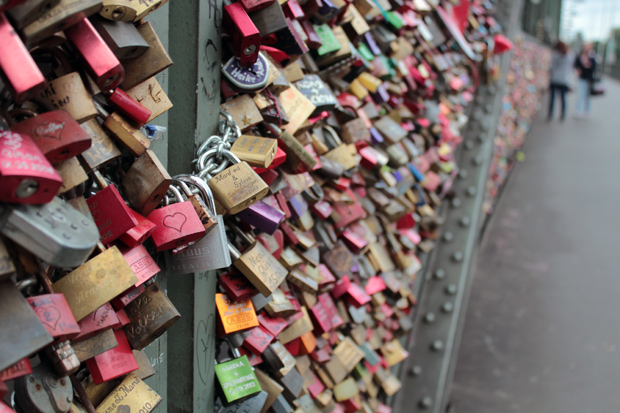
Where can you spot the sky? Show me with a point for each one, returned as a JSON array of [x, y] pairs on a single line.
[[594, 18]]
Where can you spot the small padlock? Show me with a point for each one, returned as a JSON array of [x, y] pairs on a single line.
[[113, 363], [56, 133], [262, 216], [124, 131], [236, 380], [112, 216], [205, 208], [127, 11], [151, 315], [138, 234], [102, 152], [24, 77], [27, 176], [235, 316], [235, 188], [63, 358], [141, 262], [55, 232], [129, 106], [121, 37], [146, 182], [247, 78], [43, 391], [176, 225], [255, 150], [245, 35], [258, 265]]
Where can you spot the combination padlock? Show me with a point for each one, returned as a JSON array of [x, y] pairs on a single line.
[[235, 379]]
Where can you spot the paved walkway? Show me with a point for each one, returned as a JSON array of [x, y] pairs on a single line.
[[542, 331]]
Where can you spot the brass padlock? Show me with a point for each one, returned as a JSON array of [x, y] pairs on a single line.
[[146, 182], [124, 131], [153, 61], [102, 152], [69, 93], [127, 10], [255, 150]]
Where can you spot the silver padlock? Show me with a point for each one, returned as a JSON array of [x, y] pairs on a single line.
[[210, 252], [43, 391], [55, 232]]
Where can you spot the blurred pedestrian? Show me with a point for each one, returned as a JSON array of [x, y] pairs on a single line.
[[585, 64], [561, 63]]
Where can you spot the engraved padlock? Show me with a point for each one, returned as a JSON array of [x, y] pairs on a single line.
[[55, 232], [26, 175], [235, 379], [55, 132], [210, 252], [121, 37], [130, 107], [122, 10], [248, 78], [236, 187], [113, 363], [43, 391], [204, 207], [146, 182]]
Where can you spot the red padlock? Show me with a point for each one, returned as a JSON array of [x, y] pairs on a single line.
[[26, 177], [245, 35], [56, 133], [257, 340], [253, 5], [112, 216], [113, 363], [101, 319], [55, 314], [141, 262], [128, 296], [19, 369], [3, 391], [138, 234], [176, 225], [23, 75], [101, 63], [130, 107], [237, 287]]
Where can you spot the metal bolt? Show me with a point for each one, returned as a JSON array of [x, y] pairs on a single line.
[[439, 274], [69, 399], [465, 221], [451, 289], [447, 307], [477, 160], [458, 256], [415, 371], [456, 202], [471, 191], [469, 145], [429, 317], [448, 236], [463, 173], [426, 403], [437, 345]]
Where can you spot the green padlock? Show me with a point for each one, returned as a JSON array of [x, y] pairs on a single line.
[[237, 380]]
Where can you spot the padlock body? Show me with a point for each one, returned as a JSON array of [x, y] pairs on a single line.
[[56, 133], [236, 380], [256, 151], [101, 63], [141, 262], [261, 269], [130, 107], [122, 38], [176, 224], [24, 77], [94, 323], [138, 234], [146, 183], [102, 151], [127, 10], [27, 176], [113, 363], [245, 35], [209, 253], [238, 187], [133, 393], [69, 93], [28, 11], [235, 315], [42, 391], [112, 216], [151, 314], [55, 314]]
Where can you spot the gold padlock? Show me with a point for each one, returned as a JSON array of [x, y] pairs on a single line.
[[146, 183], [127, 10]]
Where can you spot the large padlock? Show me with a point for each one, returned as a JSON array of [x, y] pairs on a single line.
[[205, 208], [43, 391], [112, 216], [176, 225], [121, 37], [151, 315], [55, 232], [236, 380], [113, 363], [69, 93], [258, 265], [24, 77], [56, 133], [255, 150], [146, 182], [150, 63], [236, 187], [27, 176], [132, 395]]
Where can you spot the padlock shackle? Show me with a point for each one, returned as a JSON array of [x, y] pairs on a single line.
[[203, 187], [177, 194]]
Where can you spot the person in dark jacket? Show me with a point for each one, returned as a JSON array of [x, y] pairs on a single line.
[[585, 64], [559, 73]]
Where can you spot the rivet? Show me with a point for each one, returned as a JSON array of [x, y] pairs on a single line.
[[437, 345], [426, 402], [469, 145], [69, 399], [439, 274], [447, 307], [471, 191], [457, 256], [415, 371], [465, 221], [448, 236], [463, 173], [456, 202], [429, 317], [451, 289]]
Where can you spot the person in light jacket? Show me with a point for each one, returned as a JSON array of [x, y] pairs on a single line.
[[561, 65], [585, 64]]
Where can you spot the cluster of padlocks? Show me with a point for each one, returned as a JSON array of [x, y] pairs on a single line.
[[335, 148]]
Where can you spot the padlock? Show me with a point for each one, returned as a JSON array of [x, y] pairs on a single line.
[[151, 315], [235, 315], [297, 157], [262, 216], [56, 133], [9, 4], [123, 10], [65, 14], [124, 131], [102, 318], [146, 182], [7, 268], [141, 262], [138, 234], [204, 207], [69, 93], [56, 316], [236, 187], [63, 358], [129, 106], [112, 216], [132, 393], [55, 232], [24, 77], [151, 95], [27, 177], [102, 152], [245, 36], [255, 150], [258, 265], [235, 379], [28, 11], [175, 225], [250, 78], [43, 391], [121, 37], [96, 282], [113, 363]]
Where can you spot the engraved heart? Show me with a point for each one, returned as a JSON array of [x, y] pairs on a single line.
[[174, 221], [51, 130], [50, 316]]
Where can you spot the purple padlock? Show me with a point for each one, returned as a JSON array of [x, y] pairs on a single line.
[[262, 216]]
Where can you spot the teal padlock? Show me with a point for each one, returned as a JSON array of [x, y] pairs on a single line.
[[236, 379]]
